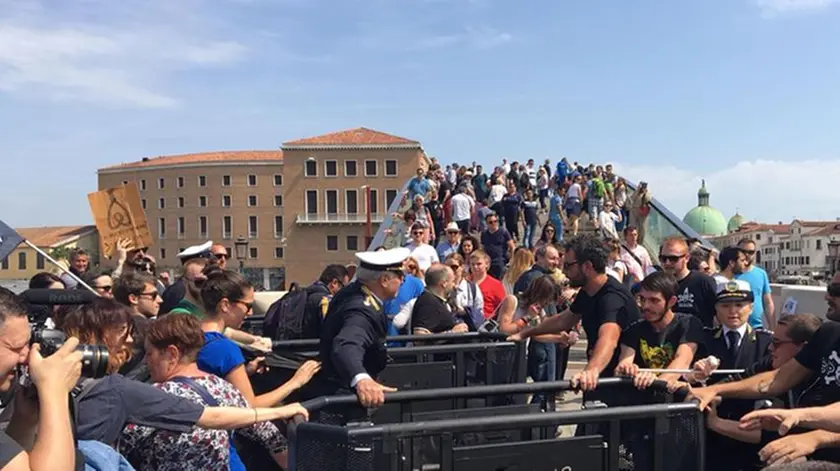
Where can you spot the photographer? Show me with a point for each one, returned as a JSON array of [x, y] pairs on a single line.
[[54, 378]]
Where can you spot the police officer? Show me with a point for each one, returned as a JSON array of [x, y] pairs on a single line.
[[738, 346], [353, 333]]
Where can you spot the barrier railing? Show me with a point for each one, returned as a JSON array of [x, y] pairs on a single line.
[[658, 437]]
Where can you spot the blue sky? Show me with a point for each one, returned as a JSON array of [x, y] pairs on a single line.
[[740, 92]]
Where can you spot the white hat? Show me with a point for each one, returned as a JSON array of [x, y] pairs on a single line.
[[384, 260], [196, 251], [453, 227], [734, 290]]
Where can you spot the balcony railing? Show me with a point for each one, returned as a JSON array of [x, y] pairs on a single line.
[[340, 218]]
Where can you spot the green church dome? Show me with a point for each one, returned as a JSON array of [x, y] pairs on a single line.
[[704, 219], [735, 222]]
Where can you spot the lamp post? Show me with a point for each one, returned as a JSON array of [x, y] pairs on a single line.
[[241, 245]]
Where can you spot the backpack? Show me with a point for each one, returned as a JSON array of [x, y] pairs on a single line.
[[284, 319], [598, 188]]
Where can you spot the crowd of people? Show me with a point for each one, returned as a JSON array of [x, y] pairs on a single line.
[[546, 255]]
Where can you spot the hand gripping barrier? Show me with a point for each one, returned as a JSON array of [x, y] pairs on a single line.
[[649, 437]]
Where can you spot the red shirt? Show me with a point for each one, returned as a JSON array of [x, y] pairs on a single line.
[[493, 293]]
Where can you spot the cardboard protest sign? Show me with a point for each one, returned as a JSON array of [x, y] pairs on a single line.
[[119, 214]]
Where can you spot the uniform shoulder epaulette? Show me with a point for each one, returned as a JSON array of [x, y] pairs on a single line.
[[763, 331]]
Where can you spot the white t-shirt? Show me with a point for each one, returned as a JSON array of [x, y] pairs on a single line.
[[497, 192], [462, 206], [425, 254], [574, 191], [607, 222]]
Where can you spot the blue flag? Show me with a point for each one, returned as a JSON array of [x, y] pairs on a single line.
[[9, 240]]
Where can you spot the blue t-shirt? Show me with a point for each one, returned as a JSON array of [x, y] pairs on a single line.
[[760, 284], [219, 355], [418, 187], [555, 206], [411, 288]]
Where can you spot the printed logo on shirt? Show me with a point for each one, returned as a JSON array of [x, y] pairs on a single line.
[[685, 299], [655, 356], [830, 368]]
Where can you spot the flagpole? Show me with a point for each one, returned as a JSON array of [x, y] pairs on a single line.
[[60, 266]]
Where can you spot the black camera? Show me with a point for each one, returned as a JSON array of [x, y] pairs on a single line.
[[94, 357]]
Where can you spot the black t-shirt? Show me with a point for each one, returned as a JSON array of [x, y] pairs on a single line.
[[613, 303], [495, 244], [172, 296], [115, 401], [8, 449], [444, 188], [822, 356], [657, 349], [511, 205], [431, 313], [697, 296]]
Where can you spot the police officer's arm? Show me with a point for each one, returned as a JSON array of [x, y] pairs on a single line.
[[767, 384], [356, 335]]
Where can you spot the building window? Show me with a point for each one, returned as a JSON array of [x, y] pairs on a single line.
[[39, 262], [278, 227], [252, 200], [162, 253], [278, 200], [374, 201], [332, 243], [311, 201], [161, 183], [202, 201], [180, 201], [253, 252], [331, 168], [21, 260], [202, 181], [351, 201], [143, 184], [390, 196], [161, 203], [143, 203], [352, 243], [5, 263], [332, 201], [182, 227], [278, 180], [252, 227], [225, 180], [252, 180], [202, 226], [310, 168], [819, 244], [161, 228], [371, 168], [278, 252], [226, 201], [227, 227], [180, 182], [390, 168], [350, 168], [807, 260]]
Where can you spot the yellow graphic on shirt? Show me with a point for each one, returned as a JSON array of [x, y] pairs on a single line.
[[325, 304], [655, 356]]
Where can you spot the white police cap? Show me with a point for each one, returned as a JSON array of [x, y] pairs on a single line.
[[383, 260], [734, 290], [196, 251]]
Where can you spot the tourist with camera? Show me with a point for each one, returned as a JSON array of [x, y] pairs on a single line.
[[49, 411]]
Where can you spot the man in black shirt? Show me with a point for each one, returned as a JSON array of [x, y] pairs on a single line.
[[662, 338], [605, 307], [697, 291], [431, 313]]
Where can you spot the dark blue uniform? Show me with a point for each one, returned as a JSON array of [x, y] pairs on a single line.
[[352, 339]]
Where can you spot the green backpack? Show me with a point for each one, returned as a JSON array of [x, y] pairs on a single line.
[[598, 189]]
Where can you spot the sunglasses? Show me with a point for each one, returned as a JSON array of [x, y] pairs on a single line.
[[492, 221], [248, 306], [106, 289], [749, 252], [454, 266], [567, 265], [670, 258], [221, 256], [778, 342]]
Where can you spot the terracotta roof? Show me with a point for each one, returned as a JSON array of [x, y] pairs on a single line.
[[352, 137], [204, 157], [53, 236]]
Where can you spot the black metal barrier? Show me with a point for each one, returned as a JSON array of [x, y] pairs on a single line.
[[650, 437]]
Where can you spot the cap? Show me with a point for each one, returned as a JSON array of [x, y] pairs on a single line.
[[383, 260], [196, 251], [452, 227], [733, 291]]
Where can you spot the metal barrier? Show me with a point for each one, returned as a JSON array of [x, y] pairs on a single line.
[[658, 437]]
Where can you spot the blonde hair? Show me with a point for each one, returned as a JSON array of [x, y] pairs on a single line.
[[523, 259]]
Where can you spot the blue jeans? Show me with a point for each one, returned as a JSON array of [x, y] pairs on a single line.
[[558, 227], [530, 229], [542, 366], [101, 457]]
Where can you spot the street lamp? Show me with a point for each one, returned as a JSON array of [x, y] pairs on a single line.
[[241, 245]]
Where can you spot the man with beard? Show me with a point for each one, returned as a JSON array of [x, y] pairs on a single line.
[[696, 295], [431, 313], [733, 262], [662, 338], [764, 310], [604, 305]]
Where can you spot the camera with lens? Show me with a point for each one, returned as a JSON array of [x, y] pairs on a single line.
[[94, 357]]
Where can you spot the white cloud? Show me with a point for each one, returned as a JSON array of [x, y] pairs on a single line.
[[484, 37], [777, 7], [762, 190], [116, 64]]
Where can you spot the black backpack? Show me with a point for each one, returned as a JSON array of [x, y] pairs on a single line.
[[285, 318]]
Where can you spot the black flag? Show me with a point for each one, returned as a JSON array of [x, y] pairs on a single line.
[[9, 240]]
